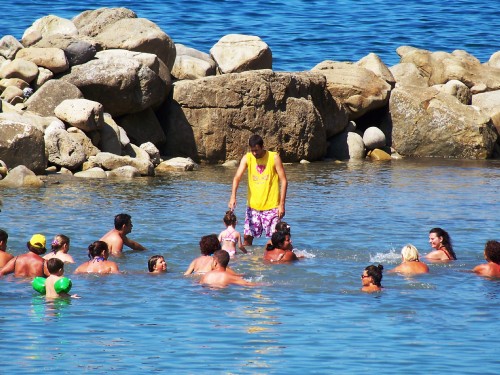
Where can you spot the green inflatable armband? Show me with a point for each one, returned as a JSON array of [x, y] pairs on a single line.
[[38, 284], [63, 285]]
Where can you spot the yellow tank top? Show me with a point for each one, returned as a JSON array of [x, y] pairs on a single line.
[[263, 182]]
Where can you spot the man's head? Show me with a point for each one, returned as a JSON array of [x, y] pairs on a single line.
[[123, 222], [3, 240], [256, 144], [222, 258], [37, 244], [55, 266]]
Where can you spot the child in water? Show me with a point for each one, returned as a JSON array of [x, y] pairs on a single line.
[[229, 237], [56, 285], [157, 264]]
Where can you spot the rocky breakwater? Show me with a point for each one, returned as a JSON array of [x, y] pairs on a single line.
[[108, 94]]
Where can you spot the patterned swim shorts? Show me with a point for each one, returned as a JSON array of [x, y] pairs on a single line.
[[258, 221]]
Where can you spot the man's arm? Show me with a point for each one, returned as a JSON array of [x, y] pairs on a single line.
[[280, 170], [133, 244], [236, 182]]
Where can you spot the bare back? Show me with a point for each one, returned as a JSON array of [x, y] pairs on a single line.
[[98, 266], [280, 256], [114, 240], [411, 268], [66, 258], [25, 265], [221, 279], [489, 269], [200, 265]]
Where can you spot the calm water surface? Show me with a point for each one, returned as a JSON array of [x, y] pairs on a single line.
[[311, 318]]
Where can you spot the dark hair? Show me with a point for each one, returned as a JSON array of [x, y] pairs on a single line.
[[59, 241], [54, 265], [209, 244], [121, 220], [277, 241], [36, 250], [96, 248], [492, 251], [376, 273], [230, 218], [222, 257], [282, 227], [152, 262], [255, 140], [3, 235], [446, 240]]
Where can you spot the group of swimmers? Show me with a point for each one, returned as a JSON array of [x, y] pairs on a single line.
[[216, 252]]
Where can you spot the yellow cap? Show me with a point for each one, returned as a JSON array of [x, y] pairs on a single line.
[[38, 241]]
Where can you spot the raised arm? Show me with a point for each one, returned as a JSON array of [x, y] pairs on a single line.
[[280, 170], [133, 244], [236, 182]]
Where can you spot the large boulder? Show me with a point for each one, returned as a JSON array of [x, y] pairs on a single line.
[[489, 103], [236, 53], [19, 68], [110, 136], [430, 123], [441, 67], [22, 144], [140, 35], [375, 64], [9, 46], [46, 26], [83, 114], [192, 64], [92, 22], [347, 145], [210, 119], [63, 151], [142, 127], [50, 95], [77, 49], [21, 176], [358, 88], [121, 85], [51, 58], [407, 74], [109, 162]]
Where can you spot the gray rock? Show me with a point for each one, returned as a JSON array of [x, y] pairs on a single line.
[[81, 113], [50, 95], [175, 164], [9, 46], [124, 172], [19, 68], [63, 151], [94, 172], [52, 59], [92, 22], [143, 127], [489, 103], [21, 176], [374, 138]]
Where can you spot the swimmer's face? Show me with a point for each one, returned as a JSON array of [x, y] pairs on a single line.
[[161, 265], [257, 151], [435, 241], [286, 242], [365, 279], [128, 227]]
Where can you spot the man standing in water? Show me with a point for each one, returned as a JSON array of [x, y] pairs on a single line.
[[267, 185], [117, 237], [30, 264]]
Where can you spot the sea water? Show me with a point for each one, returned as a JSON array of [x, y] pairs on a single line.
[[308, 317]]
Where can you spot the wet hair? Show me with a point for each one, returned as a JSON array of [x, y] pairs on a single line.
[[255, 140], [409, 253], [3, 235], [492, 251], [96, 248], [121, 220], [446, 240], [277, 241], [222, 257], [376, 273], [59, 241], [209, 244], [230, 218], [152, 262], [282, 227], [54, 265]]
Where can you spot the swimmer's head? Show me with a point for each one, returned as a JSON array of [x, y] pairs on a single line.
[[230, 218], [282, 227], [277, 241], [55, 265], [98, 248], [375, 272], [121, 220], [37, 244], [492, 251], [59, 241], [209, 244], [222, 257], [156, 263], [409, 253]]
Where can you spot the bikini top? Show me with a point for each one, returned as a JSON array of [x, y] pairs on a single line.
[[229, 237], [443, 249]]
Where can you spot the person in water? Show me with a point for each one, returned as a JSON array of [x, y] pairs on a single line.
[[60, 248], [117, 237], [4, 255], [441, 243], [219, 276], [230, 237], [411, 263], [30, 264], [55, 267], [492, 256], [267, 187], [278, 251], [371, 279], [98, 263], [157, 264], [208, 246]]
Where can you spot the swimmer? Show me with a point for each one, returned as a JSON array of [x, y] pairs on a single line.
[[56, 285], [98, 263], [30, 264], [277, 251], [411, 263], [219, 277], [229, 237], [157, 264], [60, 248], [283, 227], [4, 255], [441, 243], [371, 279], [117, 237], [492, 256]]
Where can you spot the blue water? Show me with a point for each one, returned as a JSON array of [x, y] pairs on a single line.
[[300, 33], [310, 318]]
